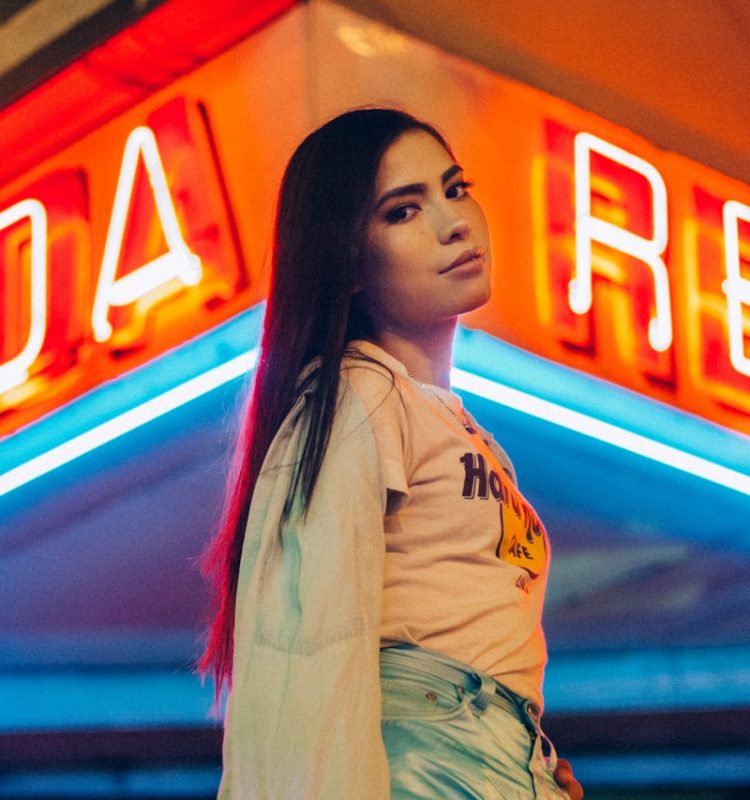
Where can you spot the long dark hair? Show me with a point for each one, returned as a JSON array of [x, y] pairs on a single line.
[[313, 311]]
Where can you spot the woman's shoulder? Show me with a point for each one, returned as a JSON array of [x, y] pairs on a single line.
[[376, 378], [370, 369]]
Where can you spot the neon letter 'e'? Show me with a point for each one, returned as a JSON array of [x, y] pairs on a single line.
[[735, 287]]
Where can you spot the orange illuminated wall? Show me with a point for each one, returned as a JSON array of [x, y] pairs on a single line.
[[610, 255]]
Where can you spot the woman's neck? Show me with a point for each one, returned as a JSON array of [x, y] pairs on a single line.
[[426, 356]]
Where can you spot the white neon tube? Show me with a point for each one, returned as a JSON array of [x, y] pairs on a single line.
[[735, 286], [16, 371], [127, 421], [515, 399], [591, 229], [603, 431], [178, 262]]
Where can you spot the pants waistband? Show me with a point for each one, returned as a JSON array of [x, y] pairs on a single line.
[[484, 688]]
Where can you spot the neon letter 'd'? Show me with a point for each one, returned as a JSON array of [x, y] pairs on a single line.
[[736, 288], [178, 262], [591, 229], [14, 372]]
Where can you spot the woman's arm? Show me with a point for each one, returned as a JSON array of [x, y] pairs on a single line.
[[303, 717]]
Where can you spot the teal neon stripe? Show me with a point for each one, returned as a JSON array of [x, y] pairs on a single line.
[[487, 368]]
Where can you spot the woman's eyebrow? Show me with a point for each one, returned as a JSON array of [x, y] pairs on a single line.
[[450, 172], [416, 188]]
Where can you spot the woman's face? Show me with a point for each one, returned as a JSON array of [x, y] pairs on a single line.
[[428, 245]]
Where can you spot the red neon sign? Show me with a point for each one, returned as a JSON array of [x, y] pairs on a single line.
[[113, 252], [601, 218], [76, 314], [718, 277], [661, 294]]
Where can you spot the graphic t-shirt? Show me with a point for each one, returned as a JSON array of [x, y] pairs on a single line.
[[466, 557]]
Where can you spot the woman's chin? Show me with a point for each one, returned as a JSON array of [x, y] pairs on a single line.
[[476, 300]]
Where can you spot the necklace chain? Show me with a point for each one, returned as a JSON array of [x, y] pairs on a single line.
[[463, 419]]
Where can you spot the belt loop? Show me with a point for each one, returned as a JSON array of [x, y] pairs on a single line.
[[485, 692]]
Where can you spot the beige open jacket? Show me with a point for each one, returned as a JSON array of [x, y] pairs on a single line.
[[303, 716]]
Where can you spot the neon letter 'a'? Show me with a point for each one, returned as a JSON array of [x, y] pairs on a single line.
[[736, 287], [16, 371], [178, 262], [591, 229]]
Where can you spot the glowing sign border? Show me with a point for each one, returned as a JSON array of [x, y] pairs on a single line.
[[603, 431], [554, 411]]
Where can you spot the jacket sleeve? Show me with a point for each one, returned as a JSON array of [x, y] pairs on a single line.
[[303, 715]]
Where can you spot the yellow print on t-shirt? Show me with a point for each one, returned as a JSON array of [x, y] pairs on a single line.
[[522, 540]]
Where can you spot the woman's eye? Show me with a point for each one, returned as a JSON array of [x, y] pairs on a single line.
[[460, 189], [401, 213]]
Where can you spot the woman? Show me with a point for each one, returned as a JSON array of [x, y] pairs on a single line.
[[377, 566]]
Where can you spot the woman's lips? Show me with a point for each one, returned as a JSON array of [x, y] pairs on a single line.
[[472, 254]]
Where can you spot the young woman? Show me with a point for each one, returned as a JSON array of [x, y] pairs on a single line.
[[380, 578]]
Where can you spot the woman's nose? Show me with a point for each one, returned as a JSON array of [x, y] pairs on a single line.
[[456, 230]]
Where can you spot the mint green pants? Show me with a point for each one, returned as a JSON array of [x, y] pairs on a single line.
[[452, 733]]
